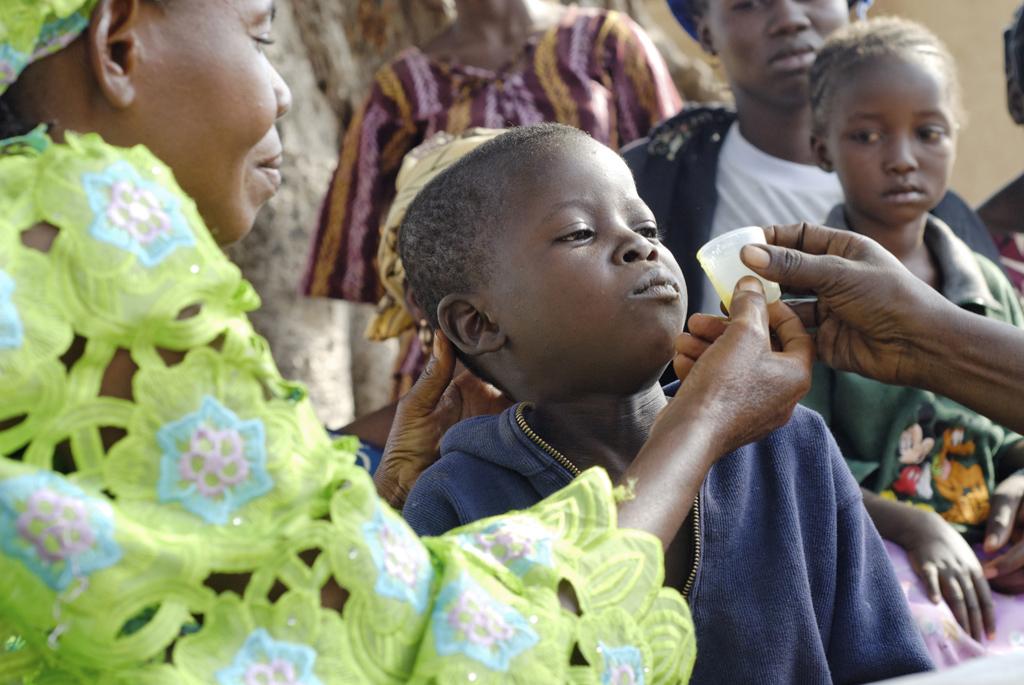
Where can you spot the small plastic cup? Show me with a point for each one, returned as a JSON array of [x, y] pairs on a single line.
[[720, 259]]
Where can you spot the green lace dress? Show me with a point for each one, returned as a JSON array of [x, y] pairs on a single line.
[[123, 520]]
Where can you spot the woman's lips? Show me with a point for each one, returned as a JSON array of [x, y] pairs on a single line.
[[270, 169]]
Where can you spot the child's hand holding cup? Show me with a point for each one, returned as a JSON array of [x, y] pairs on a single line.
[[720, 259]]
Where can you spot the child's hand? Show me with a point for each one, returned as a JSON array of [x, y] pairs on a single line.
[[950, 570], [433, 405], [732, 366], [1006, 524], [735, 390]]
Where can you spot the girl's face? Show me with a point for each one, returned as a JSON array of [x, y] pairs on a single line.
[[767, 47], [206, 103], [891, 138]]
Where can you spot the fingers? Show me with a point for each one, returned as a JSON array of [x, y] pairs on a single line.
[[929, 573], [748, 305], [794, 270], [431, 385], [704, 330], [688, 351], [988, 607], [954, 596], [969, 598], [1000, 521], [790, 332], [974, 621], [707, 327], [1006, 563], [813, 239]]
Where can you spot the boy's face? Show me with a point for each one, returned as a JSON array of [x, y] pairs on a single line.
[[891, 139], [207, 106], [589, 298], [767, 47]]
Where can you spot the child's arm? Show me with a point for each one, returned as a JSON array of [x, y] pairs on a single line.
[[735, 389], [941, 558]]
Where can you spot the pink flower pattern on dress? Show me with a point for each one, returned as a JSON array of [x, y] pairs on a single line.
[[60, 533], [215, 460], [56, 525], [277, 672], [401, 561], [473, 616], [137, 211], [136, 215]]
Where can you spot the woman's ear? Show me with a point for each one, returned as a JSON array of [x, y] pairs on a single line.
[[463, 321], [114, 49], [821, 153]]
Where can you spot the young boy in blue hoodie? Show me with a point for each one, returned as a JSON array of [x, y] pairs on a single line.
[[536, 257]]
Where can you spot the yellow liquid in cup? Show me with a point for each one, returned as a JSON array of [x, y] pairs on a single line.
[[720, 259]]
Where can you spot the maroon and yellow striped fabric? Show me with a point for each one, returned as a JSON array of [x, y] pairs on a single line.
[[596, 70]]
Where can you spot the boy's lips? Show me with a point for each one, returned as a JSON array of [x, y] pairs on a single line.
[[657, 285]]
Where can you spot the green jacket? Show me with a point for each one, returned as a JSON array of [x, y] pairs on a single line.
[[913, 445]]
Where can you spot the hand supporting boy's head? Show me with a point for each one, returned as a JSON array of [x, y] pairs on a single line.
[[886, 110], [536, 257]]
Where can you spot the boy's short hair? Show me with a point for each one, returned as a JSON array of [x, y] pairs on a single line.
[[863, 42], [445, 239]]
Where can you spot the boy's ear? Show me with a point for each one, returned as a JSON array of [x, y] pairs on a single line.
[[463, 321], [113, 49], [821, 153]]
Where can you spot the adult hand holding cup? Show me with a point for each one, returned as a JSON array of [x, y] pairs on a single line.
[[720, 259]]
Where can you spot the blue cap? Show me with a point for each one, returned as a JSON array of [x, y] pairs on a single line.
[[681, 9]]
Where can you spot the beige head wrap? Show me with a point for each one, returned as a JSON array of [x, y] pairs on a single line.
[[419, 167]]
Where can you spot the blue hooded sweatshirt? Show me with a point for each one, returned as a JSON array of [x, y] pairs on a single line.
[[793, 584]]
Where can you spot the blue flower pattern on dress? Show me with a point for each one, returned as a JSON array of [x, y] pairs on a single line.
[[517, 543], [135, 215], [403, 567], [262, 660], [12, 62], [59, 33], [55, 529], [469, 621], [213, 462], [12, 333], [622, 665]]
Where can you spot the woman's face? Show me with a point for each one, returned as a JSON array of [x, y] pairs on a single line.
[[767, 47], [206, 103]]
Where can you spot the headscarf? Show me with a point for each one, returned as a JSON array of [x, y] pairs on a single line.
[[420, 166], [683, 11], [33, 29], [1014, 39]]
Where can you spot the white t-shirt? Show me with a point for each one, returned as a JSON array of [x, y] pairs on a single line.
[[756, 189]]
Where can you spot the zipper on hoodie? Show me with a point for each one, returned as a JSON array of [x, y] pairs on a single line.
[[562, 460]]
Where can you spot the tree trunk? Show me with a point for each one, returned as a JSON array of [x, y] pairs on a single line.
[[327, 51]]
